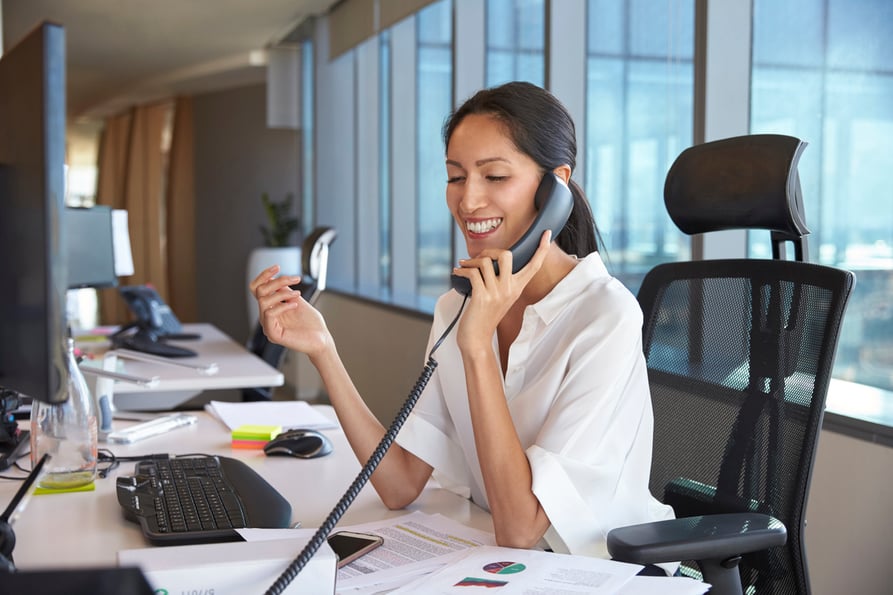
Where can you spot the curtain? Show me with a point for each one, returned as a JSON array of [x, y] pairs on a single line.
[[145, 168], [181, 214]]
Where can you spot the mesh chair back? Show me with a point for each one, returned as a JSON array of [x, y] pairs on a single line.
[[739, 355]]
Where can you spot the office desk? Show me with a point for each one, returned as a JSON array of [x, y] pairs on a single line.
[[237, 368], [88, 528]]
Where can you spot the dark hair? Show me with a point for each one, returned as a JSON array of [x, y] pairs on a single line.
[[540, 127]]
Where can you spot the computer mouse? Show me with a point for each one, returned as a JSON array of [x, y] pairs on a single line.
[[301, 443]]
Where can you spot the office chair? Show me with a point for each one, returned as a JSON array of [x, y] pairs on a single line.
[[314, 266], [739, 356]]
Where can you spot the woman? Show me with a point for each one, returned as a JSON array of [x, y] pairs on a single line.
[[539, 408]]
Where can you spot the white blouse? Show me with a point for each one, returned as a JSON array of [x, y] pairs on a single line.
[[577, 389]]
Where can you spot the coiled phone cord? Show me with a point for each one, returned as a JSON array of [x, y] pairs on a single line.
[[293, 569]]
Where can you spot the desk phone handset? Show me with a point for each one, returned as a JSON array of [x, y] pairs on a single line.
[[554, 201]]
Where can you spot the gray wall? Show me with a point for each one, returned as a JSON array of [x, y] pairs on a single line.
[[237, 158]]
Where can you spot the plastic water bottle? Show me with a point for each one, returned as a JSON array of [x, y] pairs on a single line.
[[67, 431]]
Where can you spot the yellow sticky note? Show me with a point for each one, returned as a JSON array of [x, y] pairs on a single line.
[[256, 432], [84, 488]]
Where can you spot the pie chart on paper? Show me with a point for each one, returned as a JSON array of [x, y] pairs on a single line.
[[504, 567]]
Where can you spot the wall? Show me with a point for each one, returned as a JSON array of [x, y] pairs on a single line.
[[237, 158], [850, 517]]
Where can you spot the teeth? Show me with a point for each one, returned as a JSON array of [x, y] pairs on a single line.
[[483, 226]]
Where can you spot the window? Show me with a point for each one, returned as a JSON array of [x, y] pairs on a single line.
[[434, 85], [516, 35], [384, 163], [639, 110], [306, 207], [829, 82]]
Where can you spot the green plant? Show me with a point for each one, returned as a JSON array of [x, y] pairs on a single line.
[[281, 223]]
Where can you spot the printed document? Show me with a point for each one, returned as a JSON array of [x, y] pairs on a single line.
[[527, 572], [414, 544]]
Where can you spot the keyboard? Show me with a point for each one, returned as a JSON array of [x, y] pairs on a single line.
[[199, 499]]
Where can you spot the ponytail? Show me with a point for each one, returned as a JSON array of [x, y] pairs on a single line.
[[580, 235]]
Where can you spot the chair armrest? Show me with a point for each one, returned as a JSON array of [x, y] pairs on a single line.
[[710, 537]]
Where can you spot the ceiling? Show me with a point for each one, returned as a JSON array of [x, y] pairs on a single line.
[[125, 52]]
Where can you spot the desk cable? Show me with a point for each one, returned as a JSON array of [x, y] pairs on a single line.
[[293, 569]]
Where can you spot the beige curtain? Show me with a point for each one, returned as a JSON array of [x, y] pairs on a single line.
[[181, 215], [136, 174]]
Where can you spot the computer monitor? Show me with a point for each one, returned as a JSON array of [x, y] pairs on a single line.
[[33, 276], [90, 248]]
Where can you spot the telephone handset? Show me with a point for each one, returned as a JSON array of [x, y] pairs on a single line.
[[554, 201]]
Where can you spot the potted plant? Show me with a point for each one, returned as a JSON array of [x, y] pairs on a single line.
[[281, 225]]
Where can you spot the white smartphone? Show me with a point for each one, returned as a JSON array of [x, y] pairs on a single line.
[[349, 546]]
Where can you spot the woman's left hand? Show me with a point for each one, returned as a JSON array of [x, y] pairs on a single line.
[[493, 295]]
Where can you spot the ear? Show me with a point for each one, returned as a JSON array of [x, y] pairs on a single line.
[[563, 172]]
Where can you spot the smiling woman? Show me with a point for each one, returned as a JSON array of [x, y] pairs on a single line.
[[538, 405]]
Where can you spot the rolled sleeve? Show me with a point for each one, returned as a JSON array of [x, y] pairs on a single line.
[[429, 443], [576, 529]]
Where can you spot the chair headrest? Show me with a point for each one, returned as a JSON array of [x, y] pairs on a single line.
[[743, 182], [314, 243]]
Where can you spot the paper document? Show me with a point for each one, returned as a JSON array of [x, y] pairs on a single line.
[[656, 585], [527, 572], [288, 414]]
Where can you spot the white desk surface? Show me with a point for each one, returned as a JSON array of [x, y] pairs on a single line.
[[237, 367], [88, 528]]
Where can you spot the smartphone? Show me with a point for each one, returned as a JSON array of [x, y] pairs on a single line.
[[349, 546], [554, 201]]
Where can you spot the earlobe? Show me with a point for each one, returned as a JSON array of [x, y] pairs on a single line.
[[563, 172]]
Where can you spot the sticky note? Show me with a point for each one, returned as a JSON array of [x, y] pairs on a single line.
[[83, 488], [256, 432]]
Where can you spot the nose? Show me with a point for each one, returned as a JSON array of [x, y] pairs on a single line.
[[473, 196]]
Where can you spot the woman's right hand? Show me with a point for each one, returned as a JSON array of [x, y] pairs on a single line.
[[286, 317]]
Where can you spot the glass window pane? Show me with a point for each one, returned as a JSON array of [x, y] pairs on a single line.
[[859, 34], [775, 41], [604, 27], [840, 101], [384, 162], [661, 31], [307, 153], [638, 119], [516, 34], [434, 87]]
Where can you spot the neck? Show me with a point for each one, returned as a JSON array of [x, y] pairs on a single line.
[[555, 267]]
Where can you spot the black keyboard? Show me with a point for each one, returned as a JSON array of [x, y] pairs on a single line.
[[199, 499]]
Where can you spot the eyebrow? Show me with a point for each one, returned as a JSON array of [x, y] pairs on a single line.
[[479, 162]]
